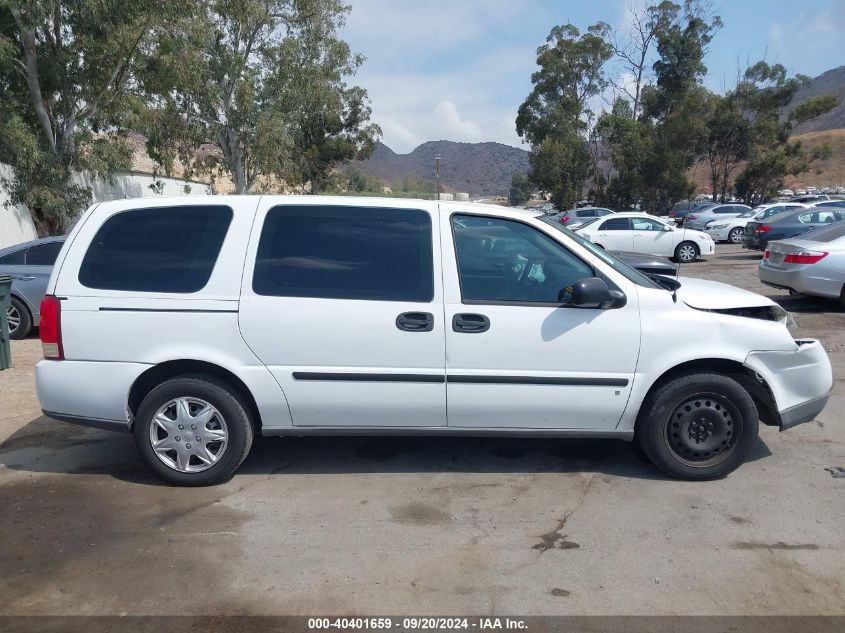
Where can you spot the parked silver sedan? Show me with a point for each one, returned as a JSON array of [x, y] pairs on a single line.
[[29, 265], [810, 264]]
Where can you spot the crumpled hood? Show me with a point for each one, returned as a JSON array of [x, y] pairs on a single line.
[[713, 295]]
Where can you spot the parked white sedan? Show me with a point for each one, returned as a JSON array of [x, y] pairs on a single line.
[[642, 233], [731, 229]]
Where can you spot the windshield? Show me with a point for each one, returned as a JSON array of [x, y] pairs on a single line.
[[750, 213], [632, 274]]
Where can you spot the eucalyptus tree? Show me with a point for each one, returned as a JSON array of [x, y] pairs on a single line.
[[257, 89], [68, 75]]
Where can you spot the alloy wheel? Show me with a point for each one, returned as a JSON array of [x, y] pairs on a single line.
[[13, 317], [686, 253], [188, 435], [735, 236]]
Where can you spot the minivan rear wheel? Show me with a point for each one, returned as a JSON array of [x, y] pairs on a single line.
[[698, 426], [193, 430]]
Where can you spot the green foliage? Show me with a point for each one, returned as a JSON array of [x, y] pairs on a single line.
[[65, 75], [520, 190], [554, 116], [265, 82], [651, 150], [770, 156], [357, 181]]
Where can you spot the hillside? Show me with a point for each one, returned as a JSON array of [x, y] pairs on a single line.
[[831, 82], [476, 168], [826, 173]]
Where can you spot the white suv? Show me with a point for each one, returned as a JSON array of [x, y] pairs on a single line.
[[196, 323]]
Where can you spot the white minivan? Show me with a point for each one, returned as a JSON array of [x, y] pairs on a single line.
[[196, 323]]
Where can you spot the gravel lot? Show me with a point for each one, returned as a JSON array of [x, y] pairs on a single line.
[[428, 526]]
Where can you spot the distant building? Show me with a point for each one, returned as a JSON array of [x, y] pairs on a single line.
[[462, 197]]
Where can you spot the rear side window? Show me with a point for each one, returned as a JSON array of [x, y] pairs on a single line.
[[162, 249], [13, 259], [345, 253], [616, 224], [43, 254]]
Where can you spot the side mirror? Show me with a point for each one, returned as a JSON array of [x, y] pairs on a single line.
[[592, 292], [667, 228]]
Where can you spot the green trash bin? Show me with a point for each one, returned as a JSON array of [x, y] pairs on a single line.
[[5, 302]]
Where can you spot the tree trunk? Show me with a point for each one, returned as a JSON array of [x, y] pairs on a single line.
[[46, 226]]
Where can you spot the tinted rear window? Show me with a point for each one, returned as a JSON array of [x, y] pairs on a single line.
[[345, 253], [163, 249], [13, 259], [43, 254], [616, 224]]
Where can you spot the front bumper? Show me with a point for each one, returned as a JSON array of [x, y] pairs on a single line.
[[800, 380], [804, 412], [718, 235]]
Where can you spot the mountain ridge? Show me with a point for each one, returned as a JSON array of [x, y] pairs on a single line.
[[484, 168]]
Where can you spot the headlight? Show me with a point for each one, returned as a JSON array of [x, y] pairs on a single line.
[[716, 226]]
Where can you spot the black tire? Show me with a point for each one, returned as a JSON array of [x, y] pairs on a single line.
[[24, 320], [698, 426], [842, 297], [222, 397], [681, 248], [735, 236]]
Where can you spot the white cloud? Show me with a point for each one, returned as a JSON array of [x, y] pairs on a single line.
[[445, 69], [447, 117]]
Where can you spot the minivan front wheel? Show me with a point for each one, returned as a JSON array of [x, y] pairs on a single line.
[[193, 430], [698, 426], [686, 252]]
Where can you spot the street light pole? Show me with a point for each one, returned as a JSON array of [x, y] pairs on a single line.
[[437, 173]]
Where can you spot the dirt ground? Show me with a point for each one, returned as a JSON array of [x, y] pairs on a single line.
[[425, 525]]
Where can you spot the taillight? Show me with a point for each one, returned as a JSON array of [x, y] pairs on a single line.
[[692, 216], [51, 328], [763, 228], [804, 257], [564, 220], [766, 254]]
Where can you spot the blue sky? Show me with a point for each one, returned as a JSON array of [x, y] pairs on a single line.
[[458, 69]]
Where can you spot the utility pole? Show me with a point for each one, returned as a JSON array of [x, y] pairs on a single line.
[[437, 173]]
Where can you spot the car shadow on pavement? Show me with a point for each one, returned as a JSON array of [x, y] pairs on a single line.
[[802, 304], [743, 256], [46, 446]]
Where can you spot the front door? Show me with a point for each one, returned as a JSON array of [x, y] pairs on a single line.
[[344, 305], [516, 357]]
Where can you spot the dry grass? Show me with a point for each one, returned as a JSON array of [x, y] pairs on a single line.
[[826, 173]]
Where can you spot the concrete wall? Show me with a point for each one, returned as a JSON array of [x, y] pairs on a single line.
[[16, 224]]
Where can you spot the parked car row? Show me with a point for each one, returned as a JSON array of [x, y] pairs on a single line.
[[758, 233]]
